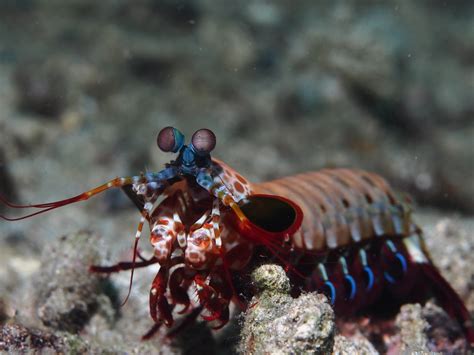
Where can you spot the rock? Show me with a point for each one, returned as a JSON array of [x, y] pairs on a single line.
[[444, 333], [16, 338], [413, 328], [271, 279], [279, 324], [67, 293], [354, 345], [450, 242]]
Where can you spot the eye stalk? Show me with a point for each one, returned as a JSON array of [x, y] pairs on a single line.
[[203, 141], [193, 157], [170, 140]]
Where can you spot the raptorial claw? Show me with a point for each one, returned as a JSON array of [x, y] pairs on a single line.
[[219, 309], [160, 309], [178, 293], [215, 302], [223, 318], [211, 317]]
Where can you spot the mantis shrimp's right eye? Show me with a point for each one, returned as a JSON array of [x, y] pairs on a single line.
[[204, 141], [170, 140]]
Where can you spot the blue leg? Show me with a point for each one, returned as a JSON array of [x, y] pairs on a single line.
[[402, 261]]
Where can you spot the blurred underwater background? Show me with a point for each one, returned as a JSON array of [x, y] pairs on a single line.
[[286, 86]]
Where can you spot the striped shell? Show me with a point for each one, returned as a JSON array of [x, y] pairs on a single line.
[[341, 206]]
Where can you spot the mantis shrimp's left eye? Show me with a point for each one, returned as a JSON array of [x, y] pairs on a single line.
[[203, 141], [170, 140]]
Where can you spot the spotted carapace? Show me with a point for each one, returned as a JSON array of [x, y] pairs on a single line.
[[342, 232]]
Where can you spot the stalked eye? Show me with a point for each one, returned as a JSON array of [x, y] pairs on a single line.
[[170, 140], [203, 141]]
